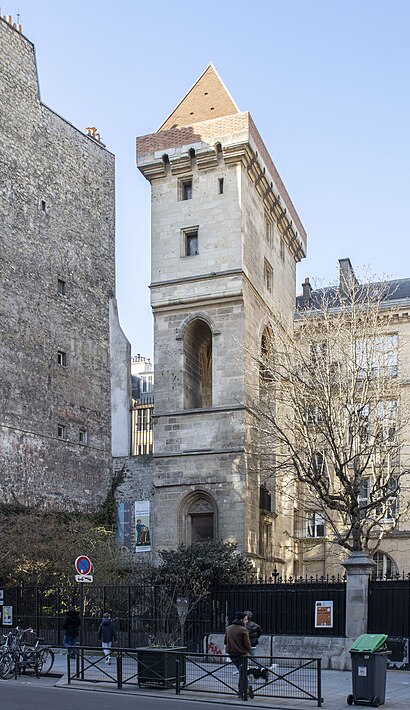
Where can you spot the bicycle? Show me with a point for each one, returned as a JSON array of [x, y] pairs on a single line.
[[45, 654], [18, 657]]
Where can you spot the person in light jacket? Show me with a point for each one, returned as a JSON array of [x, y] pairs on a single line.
[[106, 634]]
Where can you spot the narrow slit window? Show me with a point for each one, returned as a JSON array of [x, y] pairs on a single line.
[[268, 231], [43, 205], [61, 287], [221, 186], [282, 249], [61, 431], [62, 358], [268, 276]]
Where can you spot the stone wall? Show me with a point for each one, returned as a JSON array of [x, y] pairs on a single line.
[[334, 651], [57, 240]]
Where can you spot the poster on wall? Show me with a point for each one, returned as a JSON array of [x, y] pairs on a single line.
[[7, 615], [125, 534], [324, 615], [142, 529]]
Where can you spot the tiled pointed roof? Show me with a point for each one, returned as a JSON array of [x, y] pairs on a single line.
[[208, 98]]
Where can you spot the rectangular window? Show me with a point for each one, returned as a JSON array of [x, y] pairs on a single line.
[[364, 496], [313, 414], [221, 186], [318, 352], [83, 436], [61, 287], [190, 241], [185, 189], [386, 420], [61, 358], [61, 431], [202, 526], [268, 276], [315, 525], [359, 423], [43, 205], [376, 356]]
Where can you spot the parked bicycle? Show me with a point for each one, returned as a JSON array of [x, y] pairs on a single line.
[[18, 656]]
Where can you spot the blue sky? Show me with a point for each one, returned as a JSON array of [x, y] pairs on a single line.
[[327, 83]]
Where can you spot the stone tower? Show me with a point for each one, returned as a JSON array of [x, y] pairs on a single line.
[[225, 242], [59, 324]]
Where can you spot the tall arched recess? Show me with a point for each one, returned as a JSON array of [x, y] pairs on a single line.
[[197, 365]]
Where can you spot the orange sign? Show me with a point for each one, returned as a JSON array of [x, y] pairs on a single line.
[[324, 615]]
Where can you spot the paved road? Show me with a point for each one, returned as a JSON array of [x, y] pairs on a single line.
[[16, 696]]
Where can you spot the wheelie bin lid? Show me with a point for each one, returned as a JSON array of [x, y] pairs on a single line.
[[368, 642]]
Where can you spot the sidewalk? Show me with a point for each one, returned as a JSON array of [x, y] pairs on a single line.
[[336, 686]]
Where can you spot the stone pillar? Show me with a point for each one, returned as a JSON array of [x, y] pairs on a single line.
[[358, 568]]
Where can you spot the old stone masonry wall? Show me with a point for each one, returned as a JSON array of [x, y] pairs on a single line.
[[57, 246]]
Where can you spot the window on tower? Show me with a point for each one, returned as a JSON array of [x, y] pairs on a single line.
[[190, 241], [185, 189], [268, 276]]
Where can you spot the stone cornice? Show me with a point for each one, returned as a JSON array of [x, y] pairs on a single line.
[[200, 144]]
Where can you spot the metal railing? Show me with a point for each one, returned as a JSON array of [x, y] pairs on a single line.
[[182, 671]]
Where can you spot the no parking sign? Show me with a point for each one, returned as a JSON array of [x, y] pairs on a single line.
[[83, 568]]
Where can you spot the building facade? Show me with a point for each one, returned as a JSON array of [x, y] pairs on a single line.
[[61, 343], [142, 419], [361, 350], [225, 242]]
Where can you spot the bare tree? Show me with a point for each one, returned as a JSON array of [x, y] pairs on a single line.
[[330, 415]]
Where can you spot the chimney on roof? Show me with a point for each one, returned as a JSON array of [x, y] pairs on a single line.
[[307, 289], [347, 278], [92, 132]]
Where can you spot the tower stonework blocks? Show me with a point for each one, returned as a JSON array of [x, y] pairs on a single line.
[[225, 242], [56, 293]]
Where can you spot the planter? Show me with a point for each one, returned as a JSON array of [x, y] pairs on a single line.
[[157, 666]]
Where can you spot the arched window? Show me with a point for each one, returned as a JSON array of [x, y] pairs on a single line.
[[197, 365], [385, 565]]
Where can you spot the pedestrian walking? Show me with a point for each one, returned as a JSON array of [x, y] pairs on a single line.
[[107, 634], [238, 646], [71, 626], [254, 631]]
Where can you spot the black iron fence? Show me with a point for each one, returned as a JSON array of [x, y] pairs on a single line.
[[140, 614], [389, 606], [181, 671], [283, 607]]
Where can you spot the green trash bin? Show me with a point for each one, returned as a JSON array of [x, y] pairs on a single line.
[[369, 667]]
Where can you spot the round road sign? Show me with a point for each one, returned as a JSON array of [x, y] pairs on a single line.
[[83, 564]]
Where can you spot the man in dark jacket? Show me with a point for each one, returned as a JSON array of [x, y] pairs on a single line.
[[238, 647], [106, 634], [254, 631], [71, 626]]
